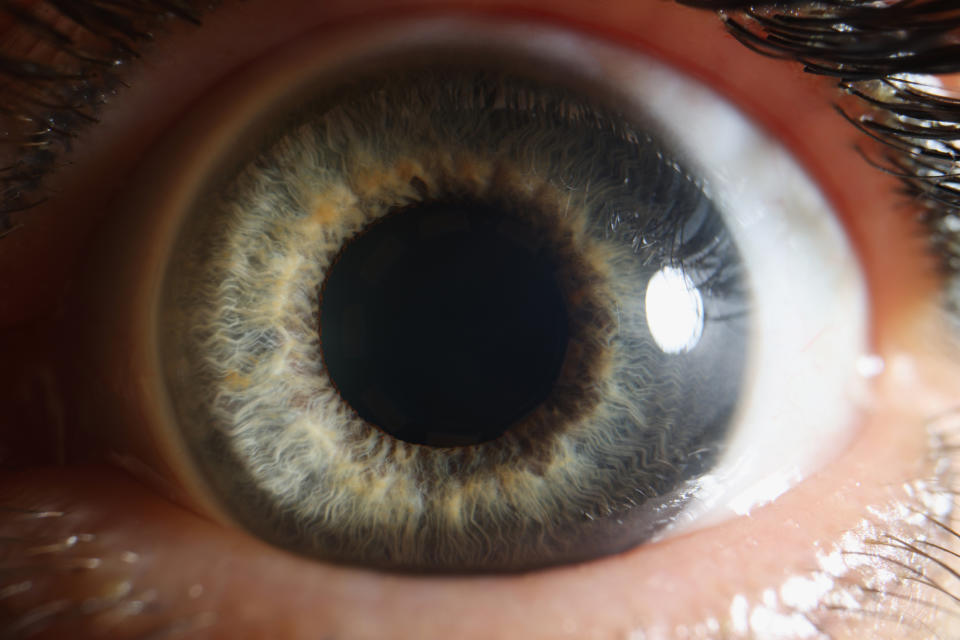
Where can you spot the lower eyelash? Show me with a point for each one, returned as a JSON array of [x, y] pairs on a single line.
[[894, 575], [21, 188], [898, 569]]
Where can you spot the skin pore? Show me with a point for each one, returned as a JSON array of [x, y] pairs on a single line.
[[99, 549]]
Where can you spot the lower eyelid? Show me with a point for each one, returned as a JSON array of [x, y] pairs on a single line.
[[193, 571]]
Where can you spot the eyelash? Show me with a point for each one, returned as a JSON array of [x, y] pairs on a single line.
[[864, 45], [873, 51], [52, 103]]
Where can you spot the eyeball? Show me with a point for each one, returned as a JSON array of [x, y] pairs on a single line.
[[441, 296]]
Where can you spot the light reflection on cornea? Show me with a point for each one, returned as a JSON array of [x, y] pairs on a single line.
[[674, 309]]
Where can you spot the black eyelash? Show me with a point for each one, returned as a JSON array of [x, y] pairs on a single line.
[[43, 105], [873, 49]]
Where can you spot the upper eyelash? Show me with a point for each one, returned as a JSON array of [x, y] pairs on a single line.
[[867, 46], [875, 52], [44, 105]]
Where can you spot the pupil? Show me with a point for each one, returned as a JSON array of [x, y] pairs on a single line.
[[443, 323]]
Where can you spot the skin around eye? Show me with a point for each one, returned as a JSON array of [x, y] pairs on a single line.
[[656, 589]]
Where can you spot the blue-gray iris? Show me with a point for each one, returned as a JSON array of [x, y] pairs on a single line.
[[597, 464]]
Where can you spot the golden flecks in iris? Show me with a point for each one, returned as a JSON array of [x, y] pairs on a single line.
[[474, 172], [371, 178], [236, 380], [331, 204], [325, 213]]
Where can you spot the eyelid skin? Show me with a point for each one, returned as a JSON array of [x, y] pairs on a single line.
[[657, 589]]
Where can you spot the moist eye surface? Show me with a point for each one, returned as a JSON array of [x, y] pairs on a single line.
[[455, 317]]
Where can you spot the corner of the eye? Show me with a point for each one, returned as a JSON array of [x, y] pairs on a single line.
[[142, 471]]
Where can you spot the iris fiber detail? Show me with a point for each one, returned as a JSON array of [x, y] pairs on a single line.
[[602, 464]]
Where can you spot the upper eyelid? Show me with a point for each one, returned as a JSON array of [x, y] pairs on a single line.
[[51, 102]]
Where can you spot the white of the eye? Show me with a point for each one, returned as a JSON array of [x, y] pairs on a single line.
[[674, 309], [808, 307]]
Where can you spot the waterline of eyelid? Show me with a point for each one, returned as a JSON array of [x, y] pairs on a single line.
[[854, 595], [72, 579], [893, 553]]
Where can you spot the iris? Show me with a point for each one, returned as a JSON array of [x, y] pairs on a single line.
[[411, 330]]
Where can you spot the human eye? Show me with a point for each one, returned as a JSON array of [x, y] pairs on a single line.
[[90, 550]]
